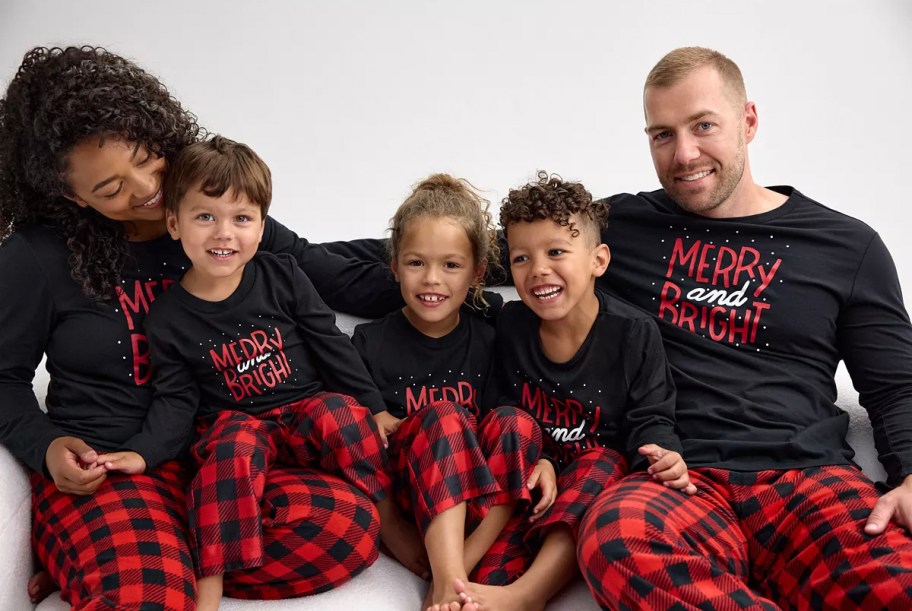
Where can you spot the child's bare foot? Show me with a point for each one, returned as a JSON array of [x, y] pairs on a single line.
[[495, 598], [446, 599], [402, 539], [453, 607], [40, 586]]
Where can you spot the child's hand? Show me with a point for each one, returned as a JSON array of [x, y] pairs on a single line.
[[543, 476], [387, 424], [668, 468], [125, 462]]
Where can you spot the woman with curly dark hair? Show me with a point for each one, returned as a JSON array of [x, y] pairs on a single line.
[[85, 140]]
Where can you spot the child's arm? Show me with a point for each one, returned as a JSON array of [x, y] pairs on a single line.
[[668, 468], [168, 426], [650, 416], [339, 364]]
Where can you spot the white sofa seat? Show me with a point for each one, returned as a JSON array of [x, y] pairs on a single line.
[[385, 586]]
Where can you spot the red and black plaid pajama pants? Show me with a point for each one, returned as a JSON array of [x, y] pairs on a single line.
[[442, 458], [234, 515], [748, 540], [122, 547], [578, 485]]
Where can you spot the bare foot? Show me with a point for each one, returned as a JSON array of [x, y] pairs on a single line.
[[40, 586], [446, 599], [402, 539], [495, 598]]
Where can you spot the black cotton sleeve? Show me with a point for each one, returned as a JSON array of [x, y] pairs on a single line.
[[169, 423], [26, 316], [650, 416], [361, 288], [875, 340], [340, 364]]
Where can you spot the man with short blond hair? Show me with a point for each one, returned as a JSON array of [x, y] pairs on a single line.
[[759, 293]]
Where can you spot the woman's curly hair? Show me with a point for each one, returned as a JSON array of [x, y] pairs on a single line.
[[58, 98], [550, 197]]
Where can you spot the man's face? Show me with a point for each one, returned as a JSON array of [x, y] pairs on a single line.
[[698, 132]]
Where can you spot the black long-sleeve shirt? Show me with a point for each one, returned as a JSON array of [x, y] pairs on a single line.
[[756, 314], [271, 343], [413, 370], [615, 392], [97, 353]]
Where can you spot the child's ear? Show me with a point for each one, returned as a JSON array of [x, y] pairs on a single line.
[[173, 228], [262, 229], [480, 270], [601, 257], [395, 267]]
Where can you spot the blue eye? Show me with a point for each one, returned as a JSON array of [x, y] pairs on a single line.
[[204, 216]]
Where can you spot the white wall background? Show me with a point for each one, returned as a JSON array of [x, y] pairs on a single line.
[[351, 102]]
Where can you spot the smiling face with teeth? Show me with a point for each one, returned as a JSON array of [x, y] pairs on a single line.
[[121, 180], [699, 129], [435, 268], [220, 235], [554, 271]]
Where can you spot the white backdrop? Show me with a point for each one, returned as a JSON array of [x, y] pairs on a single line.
[[351, 102]]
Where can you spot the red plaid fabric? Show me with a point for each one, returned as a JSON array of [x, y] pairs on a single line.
[[235, 452], [578, 486], [511, 441], [438, 462], [758, 540], [318, 533], [122, 547]]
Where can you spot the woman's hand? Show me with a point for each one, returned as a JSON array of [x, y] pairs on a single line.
[[74, 466]]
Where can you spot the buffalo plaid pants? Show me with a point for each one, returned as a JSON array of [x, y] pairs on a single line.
[[228, 504], [437, 462], [748, 540], [123, 547], [578, 485]]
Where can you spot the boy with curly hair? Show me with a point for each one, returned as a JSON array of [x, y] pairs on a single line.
[[591, 370]]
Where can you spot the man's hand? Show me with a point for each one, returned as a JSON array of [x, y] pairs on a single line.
[[387, 424], [895, 505], [127, 461], [668, 468], [73, 466]]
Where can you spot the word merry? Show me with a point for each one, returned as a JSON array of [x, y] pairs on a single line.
[[729, 267], [559, 412], [135, 306], [463, 393]]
